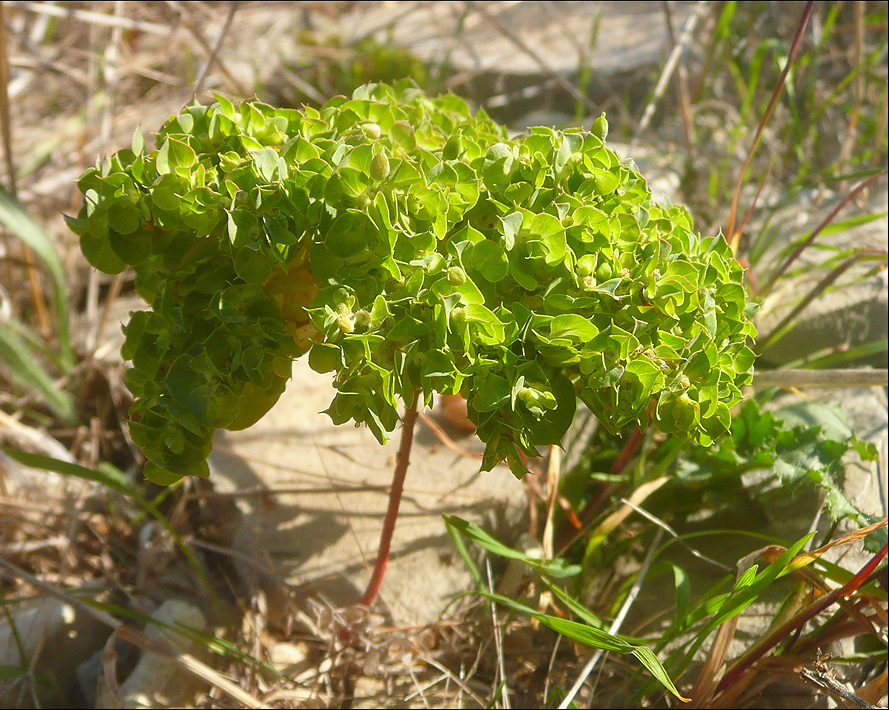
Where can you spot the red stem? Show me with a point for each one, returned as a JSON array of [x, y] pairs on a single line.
[[404, 451], [626, 454]]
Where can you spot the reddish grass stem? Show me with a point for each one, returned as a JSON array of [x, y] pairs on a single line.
[[776, 93], [758, 650], [630, 449], [404, 451]]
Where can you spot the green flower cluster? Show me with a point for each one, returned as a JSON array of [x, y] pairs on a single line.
[[407, 244]]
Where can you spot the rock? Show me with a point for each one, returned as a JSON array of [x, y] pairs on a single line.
[[517, 52], [325, 488], [157, 681], [290, 658], [513, 57], [49, 638]]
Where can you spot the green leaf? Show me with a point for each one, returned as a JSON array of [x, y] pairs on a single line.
[[573, 327], [490, 260], [253, 266], [493, 391], [174, 154]]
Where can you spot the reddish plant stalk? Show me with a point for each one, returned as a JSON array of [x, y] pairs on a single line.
[[404, 451], [630, 449]]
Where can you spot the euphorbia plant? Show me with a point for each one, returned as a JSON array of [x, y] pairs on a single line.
[[410, 248]]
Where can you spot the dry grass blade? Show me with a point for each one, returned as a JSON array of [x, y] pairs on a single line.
[[876, 688], [137, 638], [855, 114], [108, 693], [214, 52], [826, 379], [616, 518], [552, 493], [711, 672], [779, 272], [523, 46], [6, 125], [764, 645], [91, 17], [807, 557], [669, 67], [672, 533], [498, 641]]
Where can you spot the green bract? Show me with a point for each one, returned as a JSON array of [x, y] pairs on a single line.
[[410, 245]]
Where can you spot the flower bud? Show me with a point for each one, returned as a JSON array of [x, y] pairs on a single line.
[[371, 130], [362, 318], [456, 276], [379, 167], [600, 128], [586, 264], [346, 323]]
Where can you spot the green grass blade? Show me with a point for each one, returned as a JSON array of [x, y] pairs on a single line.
[[749, 587], [574, 605], [590, 636], [25, 369], [554, 568], [462, 550], [116, 480], [109, 476], [23, 226], [647, 658]]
